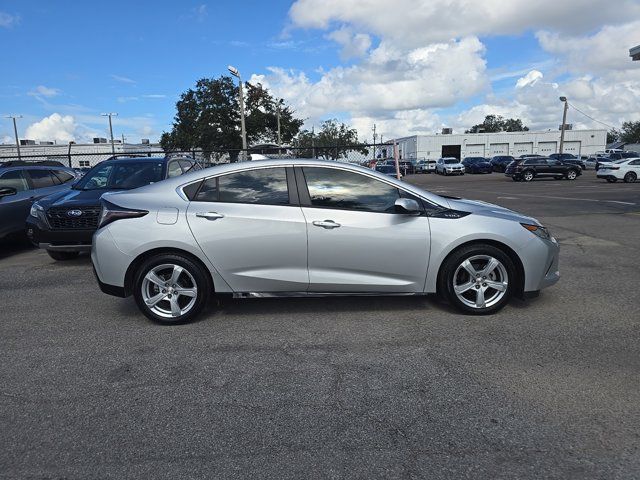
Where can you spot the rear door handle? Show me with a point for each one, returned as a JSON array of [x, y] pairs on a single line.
[[329, 224], [209, 215]]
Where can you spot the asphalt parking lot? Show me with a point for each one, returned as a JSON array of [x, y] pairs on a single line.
[[337, 388]]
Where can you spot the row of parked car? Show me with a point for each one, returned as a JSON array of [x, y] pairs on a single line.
[[61, 207]]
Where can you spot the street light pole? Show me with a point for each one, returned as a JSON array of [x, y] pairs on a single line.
[[234, 71], [374, 141], [113, 148], [564, 122], [15, 132]]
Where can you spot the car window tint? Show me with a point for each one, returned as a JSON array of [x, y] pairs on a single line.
[[174, 169], [267, 186], [14, 179], [41, 178], [209, 191], [186, 165], [333, 188], [63, 176]]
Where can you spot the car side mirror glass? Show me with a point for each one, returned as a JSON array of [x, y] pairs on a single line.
[[407, 205], [7, 191]]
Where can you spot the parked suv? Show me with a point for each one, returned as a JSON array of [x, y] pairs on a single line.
[[500, 162], [527, 169], [426, 166], [63, 223], [477, 165], [21, 185], [449, 166], [569, 158]]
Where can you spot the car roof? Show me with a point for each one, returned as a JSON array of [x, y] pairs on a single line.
[[33, 167]]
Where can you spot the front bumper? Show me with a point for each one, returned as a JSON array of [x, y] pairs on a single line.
[[58, 240], [459, 171]]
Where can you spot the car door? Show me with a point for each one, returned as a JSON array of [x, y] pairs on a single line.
[[14, 209], [357, 241], [250, 226]]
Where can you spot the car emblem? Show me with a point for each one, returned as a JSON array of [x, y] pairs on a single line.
[[74, 213]]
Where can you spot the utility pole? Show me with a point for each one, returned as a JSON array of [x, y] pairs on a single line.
[[278, 116], [234, 71], [374, 141], [313, 141], [112, 114], [564, 122], [15, 132]]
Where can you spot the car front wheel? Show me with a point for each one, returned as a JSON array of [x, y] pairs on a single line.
[[171, 289], [477, 279], [572, 175], [630, 177], [527, 176]]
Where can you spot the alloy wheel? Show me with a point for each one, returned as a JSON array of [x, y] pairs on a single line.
[[528, 176], [169, 290], [571, 175], [630, 177], [480, 281]]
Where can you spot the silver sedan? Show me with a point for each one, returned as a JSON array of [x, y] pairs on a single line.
[[306, 227]]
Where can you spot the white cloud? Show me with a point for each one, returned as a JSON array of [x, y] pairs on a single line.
[[8, 21], [354, 45], [121, 79], [529, 79], [54, 127], [42, 91]]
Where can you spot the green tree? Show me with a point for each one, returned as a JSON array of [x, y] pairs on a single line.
[[630, 132], [208, 118], [334, 140], [613, 135], [496, 123]]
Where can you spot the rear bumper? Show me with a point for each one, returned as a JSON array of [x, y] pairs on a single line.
[[607, 176], [110, 289]]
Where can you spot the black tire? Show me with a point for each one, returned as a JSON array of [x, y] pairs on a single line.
[[528, 176], [572, 174], [630, 177], [203, 285], [612, 180], [454, 260], [62, 256]]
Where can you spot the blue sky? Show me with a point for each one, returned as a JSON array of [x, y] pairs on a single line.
[[78, 59]]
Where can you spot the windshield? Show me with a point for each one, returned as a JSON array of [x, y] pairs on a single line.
[[121, 176], [449, 161]]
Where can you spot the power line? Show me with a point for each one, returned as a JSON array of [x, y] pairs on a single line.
[[590, 117]]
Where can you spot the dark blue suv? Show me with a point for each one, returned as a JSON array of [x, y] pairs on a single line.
[[21, 185], [64, 223]]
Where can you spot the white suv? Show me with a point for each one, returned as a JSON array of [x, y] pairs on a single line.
[[627, 170], [449, 166]]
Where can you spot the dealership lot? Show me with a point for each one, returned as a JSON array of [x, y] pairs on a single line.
[[347, 387]]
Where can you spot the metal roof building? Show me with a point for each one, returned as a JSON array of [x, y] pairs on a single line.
[[577, 142]]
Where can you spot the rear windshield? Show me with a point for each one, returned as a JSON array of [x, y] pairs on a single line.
[[121, 176]]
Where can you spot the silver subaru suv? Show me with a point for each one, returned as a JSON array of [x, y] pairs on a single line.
[[306, 227]]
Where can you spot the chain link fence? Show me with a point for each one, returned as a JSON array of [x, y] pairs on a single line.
[[362, 154]]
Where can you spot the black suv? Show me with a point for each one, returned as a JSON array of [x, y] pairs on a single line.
[[64, 223], [526, 169]]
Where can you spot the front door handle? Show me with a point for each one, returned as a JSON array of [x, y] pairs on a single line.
[[209, 215], [329, 224]]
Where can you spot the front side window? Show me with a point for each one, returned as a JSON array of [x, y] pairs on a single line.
[[63, 176], [334, 188], [265, 186], [121, 176], [174, 169], [14, 179]]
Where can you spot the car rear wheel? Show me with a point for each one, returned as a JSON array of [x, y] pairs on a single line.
[[62, 256], [478, 279], [630, 177], [171, 289], [527, 176], [572, 175]]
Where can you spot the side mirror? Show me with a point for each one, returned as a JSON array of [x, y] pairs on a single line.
[[7, 191], [407, 205]]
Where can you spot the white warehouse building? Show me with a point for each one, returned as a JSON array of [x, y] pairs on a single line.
[[577, 142]]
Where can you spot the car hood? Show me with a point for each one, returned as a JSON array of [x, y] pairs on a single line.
[[72, 198], [478, 207]]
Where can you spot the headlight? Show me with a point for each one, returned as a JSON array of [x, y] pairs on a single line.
[[35, 208], [538, 230]]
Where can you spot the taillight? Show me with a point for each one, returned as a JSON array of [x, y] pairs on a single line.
[[112, 212]]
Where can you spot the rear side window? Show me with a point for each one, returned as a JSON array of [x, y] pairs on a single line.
[[187, 166], [14, 179], [63, 176], [334, 188], [266, 186], [174, 169], [41, 178]]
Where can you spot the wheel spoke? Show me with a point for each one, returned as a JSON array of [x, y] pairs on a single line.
[[153, 301], [491, 266], [177, 271], [152, 277], [463, 288], [480, 298], [175, 308], [187, 292], [469, 268], [500, 286]]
